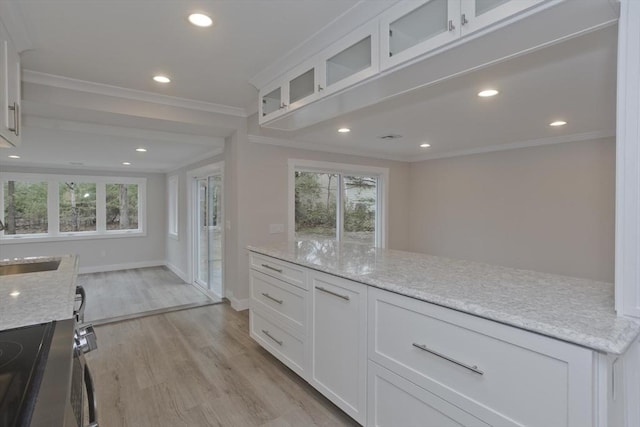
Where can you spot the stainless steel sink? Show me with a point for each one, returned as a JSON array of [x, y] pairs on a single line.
[[29, 267]]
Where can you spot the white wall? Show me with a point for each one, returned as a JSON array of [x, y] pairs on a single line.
[[548, 208], [118, 252]]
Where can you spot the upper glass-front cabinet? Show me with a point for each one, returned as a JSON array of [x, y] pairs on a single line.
[[302, 83], [476, 14], [412, 28], [350, 60]]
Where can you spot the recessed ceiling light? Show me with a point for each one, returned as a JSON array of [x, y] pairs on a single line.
[[200, 20], [558, 123], [161, 79], [14, 293], [141, 150], [425, 145], [344, 130], [487, 93], [126, 163], [13, 156]]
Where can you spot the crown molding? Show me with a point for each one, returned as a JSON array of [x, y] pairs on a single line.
[[586, 136], [37, 77], [256, 139], [119, 131]]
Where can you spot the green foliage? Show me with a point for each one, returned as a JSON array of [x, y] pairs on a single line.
[[113, 205]]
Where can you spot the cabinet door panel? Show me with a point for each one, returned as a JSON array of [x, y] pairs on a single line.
[[338, 367], [477, 14], [394, 401], [414, 28]]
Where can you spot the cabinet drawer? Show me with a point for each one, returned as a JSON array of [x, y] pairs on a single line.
[[279, 298], [394, 401], [280, 269], [283, 345], [502, 375]]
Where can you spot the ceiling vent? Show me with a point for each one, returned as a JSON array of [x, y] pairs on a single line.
[[390, 136]]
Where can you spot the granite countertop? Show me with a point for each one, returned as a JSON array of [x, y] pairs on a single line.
[[43, 296], [575, 310]]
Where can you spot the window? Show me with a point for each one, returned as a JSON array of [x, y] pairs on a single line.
[[62, 207], [335, 201], [172, 188]]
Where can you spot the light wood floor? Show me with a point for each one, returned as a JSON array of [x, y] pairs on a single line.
[[199, 367], [127, 292]]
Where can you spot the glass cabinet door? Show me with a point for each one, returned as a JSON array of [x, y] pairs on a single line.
[[353, 59], [272, 101], [302, 86], [477, 14], [413, 28]]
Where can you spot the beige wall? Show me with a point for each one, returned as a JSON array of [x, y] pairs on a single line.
[[548, 208]]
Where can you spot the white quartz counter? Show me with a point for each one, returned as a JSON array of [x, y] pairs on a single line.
[[30, 298], [575, 310]]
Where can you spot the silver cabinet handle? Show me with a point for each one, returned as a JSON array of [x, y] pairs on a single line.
[[473, 368], [320, 88], [272, 337], [16, 118], [91, 397], [277, 270], [344, 297], [463, 19], [451, 26], [266, 295], [83, 302]]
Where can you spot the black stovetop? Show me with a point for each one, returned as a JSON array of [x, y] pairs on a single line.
[[23, 353]]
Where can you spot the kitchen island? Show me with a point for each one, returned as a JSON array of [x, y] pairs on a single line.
[[392, 335]]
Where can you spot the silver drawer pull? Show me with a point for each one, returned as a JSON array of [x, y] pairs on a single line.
[[473, 368], [266, 295], [344, 297], [272, 268], [272, 337]]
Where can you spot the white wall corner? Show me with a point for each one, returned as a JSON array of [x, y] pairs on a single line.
[[238, 304], [181, 274]]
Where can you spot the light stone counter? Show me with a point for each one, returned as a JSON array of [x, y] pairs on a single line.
[[575, 310], [43, 296]]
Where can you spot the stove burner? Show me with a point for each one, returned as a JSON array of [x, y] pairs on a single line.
[[9, 351]]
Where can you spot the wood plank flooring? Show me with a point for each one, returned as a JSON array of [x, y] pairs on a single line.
[[127, 292], [199, 367]]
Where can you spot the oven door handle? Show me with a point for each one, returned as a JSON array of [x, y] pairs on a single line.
[[83, 301], [91, 397]]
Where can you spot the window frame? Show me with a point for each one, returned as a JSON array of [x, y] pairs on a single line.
[[342, 169], [173, 194], [53, 207]]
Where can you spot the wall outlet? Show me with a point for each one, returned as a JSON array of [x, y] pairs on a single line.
[[276, 228]]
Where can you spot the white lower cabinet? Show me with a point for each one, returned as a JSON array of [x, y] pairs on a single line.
[[339, 342], [495, 374], [388, 360]]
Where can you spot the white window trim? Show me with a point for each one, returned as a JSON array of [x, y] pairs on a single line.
[[173, 194], [382, 220], [53, 207]]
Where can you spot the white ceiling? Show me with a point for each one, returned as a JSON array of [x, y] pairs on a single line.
[[124, 42]]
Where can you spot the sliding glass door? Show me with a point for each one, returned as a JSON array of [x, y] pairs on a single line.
[[208, 234]]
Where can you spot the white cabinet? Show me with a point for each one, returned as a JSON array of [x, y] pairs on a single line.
[[350, 60], [338, 342], [498, 375], [477, 14], [10, 131], [413, 28]]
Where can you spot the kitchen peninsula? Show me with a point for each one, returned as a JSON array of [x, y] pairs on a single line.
[[476, 342]]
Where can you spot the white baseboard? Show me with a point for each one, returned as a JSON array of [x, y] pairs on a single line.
[[238, 304], [115, 267], [181, 274]]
